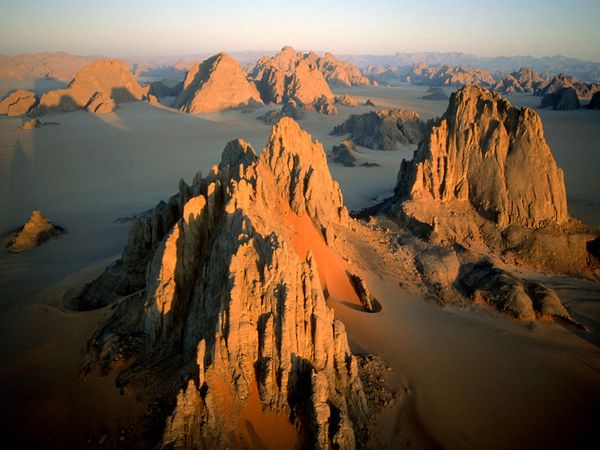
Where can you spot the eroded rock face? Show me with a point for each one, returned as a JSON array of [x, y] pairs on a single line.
[[346, 100], [290, 76], [99, 104], [216, 84], [110, 80], [484, 177], [235, 287], [436, 93], [384, 129], [565, 99], [289, 109], [18, 103], [338, 72], [35, 232], [490, 155], [525, 80]]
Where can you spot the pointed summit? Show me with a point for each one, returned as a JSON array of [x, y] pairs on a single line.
[[216, 84]]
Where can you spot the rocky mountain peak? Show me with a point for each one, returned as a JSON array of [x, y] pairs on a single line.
[[491, 155]]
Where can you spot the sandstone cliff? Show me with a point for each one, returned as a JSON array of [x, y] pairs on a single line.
[[290, 76], [18, 103], [552, 86], [109, 80], [383, 130], [216, 84], [238, 266], [484, 175], [336, 72], [438, 75]]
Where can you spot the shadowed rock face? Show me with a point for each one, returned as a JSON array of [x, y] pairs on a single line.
[[343, 153], [238, 264], [383, 130], [494, 157], [216, 84], [565, 99], [436, 93], [36, 231], [595, 101], [110, 80], [290, 76], [18, 103]]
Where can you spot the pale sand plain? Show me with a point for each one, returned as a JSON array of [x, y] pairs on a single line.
[[473, 380]]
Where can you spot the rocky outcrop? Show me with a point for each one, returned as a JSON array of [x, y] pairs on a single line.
[[344, 153], [346, 100], [525, 80], [35, 232], [104, 81], [338, 73], [595, 101], [161, 90], [54, 66], [484, 176], [289, 109], [238, 266], [99, 104], [484, 282], [324, 105], [493, 156], [384, 129], [445, 75], [216, 84], [435, 93], [583, 90], [290, 76], [18, 103], [565, 99]]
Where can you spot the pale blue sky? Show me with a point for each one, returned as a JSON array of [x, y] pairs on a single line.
[[152, 27]]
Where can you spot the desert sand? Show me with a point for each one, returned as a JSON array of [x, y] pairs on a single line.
[[540, 380]]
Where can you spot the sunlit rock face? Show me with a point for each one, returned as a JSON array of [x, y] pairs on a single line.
[[484, 177], [238, 266], [216, 84], [37, 230], [109, 80], [290, 76], [18, 103], [493, 156]]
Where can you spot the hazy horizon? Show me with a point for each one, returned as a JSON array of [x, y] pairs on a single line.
[[184, 27]]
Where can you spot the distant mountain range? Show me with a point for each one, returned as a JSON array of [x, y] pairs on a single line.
[[62, 66], [498, 65]]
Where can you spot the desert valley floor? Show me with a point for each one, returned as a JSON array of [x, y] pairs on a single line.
[[91, 170]]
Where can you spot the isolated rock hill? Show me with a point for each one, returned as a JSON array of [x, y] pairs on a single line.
[[565, 99], [105, 81], [441, 75], [18, 103], [216, 84], [344, 153], [525, 80], [484, 175], [35, 232], [435, 93], [336, 72], [289, 76], [238, 266], [584, 90], [383, 130]]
